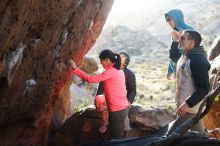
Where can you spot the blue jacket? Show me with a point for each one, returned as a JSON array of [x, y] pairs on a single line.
[[178, 18]]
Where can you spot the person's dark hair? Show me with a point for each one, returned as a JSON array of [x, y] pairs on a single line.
[[195, 36], [113, 57], [127, 60]]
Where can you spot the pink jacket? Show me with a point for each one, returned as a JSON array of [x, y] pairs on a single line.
[[114, 86]]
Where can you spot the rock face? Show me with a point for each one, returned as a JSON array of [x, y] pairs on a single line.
[[37, 38], [212, 119], [65, 102], [81, 128]]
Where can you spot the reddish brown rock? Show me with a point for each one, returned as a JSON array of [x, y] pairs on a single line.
[[212, 119], [81, 128], [63, 108], [37, 38]]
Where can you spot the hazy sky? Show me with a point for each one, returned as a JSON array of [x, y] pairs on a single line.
[[149, 14], [125, 11], [128, 6]]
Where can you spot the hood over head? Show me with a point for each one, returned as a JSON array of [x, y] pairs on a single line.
[[178, 18]]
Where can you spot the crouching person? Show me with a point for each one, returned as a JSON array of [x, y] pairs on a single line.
[[113, 79]]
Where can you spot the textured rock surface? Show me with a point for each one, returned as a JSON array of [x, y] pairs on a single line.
[[36, 40], [82, 127], [65, 102], [152, 118], [212, 119]]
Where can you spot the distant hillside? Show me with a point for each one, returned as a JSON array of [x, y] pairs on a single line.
[[146, 29], [144, 34], [135, 42]]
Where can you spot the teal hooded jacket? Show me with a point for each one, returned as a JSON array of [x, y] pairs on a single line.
[[178, 18]]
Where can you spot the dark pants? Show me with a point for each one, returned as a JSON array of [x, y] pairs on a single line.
[[116, 123], [199, 127]]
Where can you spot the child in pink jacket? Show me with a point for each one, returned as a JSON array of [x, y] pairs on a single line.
[[114, 89]]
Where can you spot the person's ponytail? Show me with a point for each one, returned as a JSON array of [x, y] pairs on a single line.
[[117, 61], [113, 57]]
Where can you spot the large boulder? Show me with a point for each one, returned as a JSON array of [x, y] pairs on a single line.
[[37, 38], [150, 118], [82, 127], [212, 119]]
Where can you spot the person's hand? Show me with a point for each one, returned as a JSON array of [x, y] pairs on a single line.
[[72, 64], [175, 35], [181, 111], [169, 77]]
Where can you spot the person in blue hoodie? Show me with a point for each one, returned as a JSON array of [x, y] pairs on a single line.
[[175, 19]]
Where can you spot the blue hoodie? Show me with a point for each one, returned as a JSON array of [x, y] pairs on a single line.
[[178, 18]]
